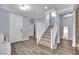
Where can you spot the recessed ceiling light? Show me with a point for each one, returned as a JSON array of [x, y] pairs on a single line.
[[46, 7], [24, 7]]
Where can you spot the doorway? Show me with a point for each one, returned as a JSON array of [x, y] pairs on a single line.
[[65, 32]]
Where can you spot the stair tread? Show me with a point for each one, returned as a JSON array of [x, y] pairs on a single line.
[[47, 31], [45, 42], [45, 39], [45, 36]]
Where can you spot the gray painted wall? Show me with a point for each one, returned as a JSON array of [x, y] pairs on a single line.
[[4, 23], [28, 28], [66, 21], [25, 28], [51, 20]]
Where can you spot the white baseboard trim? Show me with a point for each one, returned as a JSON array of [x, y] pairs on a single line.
[[20, 40], [74, 44], [26, 39]]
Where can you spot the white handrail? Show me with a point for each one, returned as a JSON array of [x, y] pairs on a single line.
[[54, 31]]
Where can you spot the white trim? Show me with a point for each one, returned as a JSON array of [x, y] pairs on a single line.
[[58, 18], [25, 39], [51, 39], [74, 29], [67, 10], [67, 15]]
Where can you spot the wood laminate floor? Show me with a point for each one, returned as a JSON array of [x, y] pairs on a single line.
[[29, 47], [66, 46]]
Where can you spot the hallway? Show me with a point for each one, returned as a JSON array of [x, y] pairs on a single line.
[[29, 47]]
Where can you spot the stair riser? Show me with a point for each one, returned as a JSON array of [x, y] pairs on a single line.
[[47, 37], [48, 30], [48, 34], [44, 40]]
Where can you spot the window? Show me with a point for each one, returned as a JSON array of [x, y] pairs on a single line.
[[65, 32], [53, 14]]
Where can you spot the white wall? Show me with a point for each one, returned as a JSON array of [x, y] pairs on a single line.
[[4, 22], [52, 20], [28, 28]]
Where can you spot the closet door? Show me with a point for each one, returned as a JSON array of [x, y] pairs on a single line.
[[15, 28]]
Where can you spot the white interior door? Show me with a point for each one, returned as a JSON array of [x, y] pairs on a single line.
[[15, 28]]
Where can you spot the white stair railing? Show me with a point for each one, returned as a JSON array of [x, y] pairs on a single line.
[[54, 31], [40, 29]]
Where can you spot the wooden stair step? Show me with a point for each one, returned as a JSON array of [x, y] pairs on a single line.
[[45, 39], [46, 36], [49, 29]]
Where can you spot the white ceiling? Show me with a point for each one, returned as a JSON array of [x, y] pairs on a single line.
[[38, 10]]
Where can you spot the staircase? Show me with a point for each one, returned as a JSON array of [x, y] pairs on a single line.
[[45, 40]]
